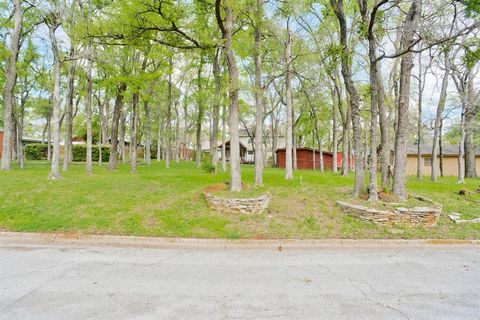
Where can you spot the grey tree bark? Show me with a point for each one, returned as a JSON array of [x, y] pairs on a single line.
[[159, 136], [53, 24], [88, 107], [121, 136], [385, 150], [169, 114], [216, 109], [470, 115], [117, 111], [259, 96], [133, 133], [69, 111], [438, 116], [224, 138], [288, 98], [201, 108], [359, 187], [233, 83], [10, 81], [369, 19], [419, 120], [399, 171], [148, 142]]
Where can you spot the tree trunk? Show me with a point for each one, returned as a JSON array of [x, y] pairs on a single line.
[[440, 147], [148, 155], [169, 114], [470, 115], [224, 138], [419, 120], [10, 81], [20, 126], [67, 151], [334, 134], [177, 131], [88, 107], [159, 136], [49, 136], [121, 136], [384, 133], [438, 116], [198, 146], [288, 98], [354, 99], [461, 148], [133, 133], [259, 98], [399, 171], [216, 109], [233, 83], [55, 123], [117, 111]]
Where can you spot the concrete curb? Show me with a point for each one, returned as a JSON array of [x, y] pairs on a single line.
[[81, 240]]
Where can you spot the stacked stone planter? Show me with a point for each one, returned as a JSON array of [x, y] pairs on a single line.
[[241, 205], [416, 216]]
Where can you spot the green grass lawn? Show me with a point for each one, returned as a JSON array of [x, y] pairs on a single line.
[[169, 202]]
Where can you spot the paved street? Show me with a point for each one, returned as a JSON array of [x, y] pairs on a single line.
[[75, 282]]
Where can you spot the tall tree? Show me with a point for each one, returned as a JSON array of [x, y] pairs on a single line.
[[11, 79], [227, 35], [338, 8], [288, 99], [259, 95], [53, 22], [410, 26]]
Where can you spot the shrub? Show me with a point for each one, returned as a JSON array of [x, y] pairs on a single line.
[[79, 152], [36, 151], [207, 162]]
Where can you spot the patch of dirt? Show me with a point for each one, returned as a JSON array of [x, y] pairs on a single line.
[[150, 222], [216, 187]]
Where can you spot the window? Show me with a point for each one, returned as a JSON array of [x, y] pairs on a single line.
[[427, 162]]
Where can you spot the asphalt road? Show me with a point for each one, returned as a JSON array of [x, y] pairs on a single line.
[[72, 282]]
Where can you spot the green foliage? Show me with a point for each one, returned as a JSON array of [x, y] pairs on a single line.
[[79, 152], [207, 162], [36, 151]]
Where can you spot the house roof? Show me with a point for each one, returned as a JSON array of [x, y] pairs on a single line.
[[447, 149], [227, 142]]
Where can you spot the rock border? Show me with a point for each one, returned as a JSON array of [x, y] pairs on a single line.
[[255, 205], [456, 217], [416, 216]]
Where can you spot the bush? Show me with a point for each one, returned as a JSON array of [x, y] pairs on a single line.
[[207, 165], [36, 151], [79, 152]]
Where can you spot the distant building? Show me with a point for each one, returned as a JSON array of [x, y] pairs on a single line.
[[450, 159], [307, 158], [245, 157]]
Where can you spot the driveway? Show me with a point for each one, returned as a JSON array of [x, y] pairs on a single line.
[[90, 282]]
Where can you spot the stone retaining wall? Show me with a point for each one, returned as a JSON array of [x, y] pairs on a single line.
[[246, 205], [417, 216]]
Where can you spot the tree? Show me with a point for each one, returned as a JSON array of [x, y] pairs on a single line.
[[227, 35], [354, 100], [410, 26], [11, 79], [259, 96], [288, 99], [53, 22]]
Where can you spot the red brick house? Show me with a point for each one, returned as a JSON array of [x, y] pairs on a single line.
[[305, 159]]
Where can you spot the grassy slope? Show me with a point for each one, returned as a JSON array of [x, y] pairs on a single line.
[[169, 202]]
